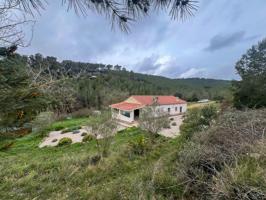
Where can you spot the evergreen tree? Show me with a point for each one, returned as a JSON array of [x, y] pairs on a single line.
[[19, 100], [251, 90]]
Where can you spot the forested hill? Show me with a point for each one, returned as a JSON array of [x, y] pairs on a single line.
[[72, 85], [190, 89]]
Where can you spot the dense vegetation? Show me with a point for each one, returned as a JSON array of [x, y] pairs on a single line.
[[36, 83], [251, 90], [212, 149], [219, 154]]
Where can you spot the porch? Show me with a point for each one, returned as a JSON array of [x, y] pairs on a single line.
[[126, 116], [126, 113]]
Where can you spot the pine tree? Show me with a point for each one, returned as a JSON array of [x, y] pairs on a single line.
[[20, 101], [251, 90]]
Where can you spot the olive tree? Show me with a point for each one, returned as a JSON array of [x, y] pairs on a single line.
[[153, 119], [103, 127]]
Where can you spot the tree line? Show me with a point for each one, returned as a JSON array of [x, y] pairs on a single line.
[[31, 84]]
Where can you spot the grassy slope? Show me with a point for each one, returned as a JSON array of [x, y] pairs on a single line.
[[27, 172]]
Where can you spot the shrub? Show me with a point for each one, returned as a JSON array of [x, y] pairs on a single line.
[[245, 180], [42, 121], [85, 112], [54, 140], [140, 146], [198, 119], [58, 128], [74, 128], [226, 153], [174, 124], [64, 141], [94, 160], [6, 145], [153, 120], [84, 134], [171, 119], [75, 132], [166, 125], [87, 138]]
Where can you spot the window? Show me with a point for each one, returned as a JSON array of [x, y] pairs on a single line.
[[125, 113], [176, 109], [169, 109], [180, 109]]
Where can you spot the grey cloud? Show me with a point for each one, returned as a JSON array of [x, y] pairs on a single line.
[[148, 65], [221, 41], [156, 44]]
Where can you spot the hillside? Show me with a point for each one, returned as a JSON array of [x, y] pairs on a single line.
[[209, 152], [69, 86], [185, 88]]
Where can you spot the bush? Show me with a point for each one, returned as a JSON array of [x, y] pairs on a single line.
[[84, 134], [171, 119], [166, 125], [174, 124], [54, 140], [198, 119], [94, 160], [245, 180], [140, 146], [42, 121], [58, 128], [87, 138], [85, 112], [6, 145], [75, 132], [74, 128], [232, 152], [64, 141]]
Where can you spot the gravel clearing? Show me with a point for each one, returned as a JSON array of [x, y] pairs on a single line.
[[173, 131]]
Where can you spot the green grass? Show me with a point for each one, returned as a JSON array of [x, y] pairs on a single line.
[[69, 123], [28, 172]]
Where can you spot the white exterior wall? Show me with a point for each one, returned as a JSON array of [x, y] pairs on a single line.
[[119, 116], [164, 108]]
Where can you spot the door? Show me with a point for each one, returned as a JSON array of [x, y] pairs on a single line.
[[136, 114]]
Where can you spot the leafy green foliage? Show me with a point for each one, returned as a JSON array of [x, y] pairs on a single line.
[[20, 101], [139, 146], [88, 138], [198, 119], [103, 127], [42, 121], [251, 90], [84, 134], [88, 85], [70, 129], [227, 160], [180, 168], [74, 123], [153, 119], [64, 141], [5, 145]]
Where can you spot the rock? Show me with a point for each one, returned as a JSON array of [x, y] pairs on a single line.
[[76, 132]]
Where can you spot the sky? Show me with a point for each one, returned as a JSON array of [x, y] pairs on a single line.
[[206, 45]]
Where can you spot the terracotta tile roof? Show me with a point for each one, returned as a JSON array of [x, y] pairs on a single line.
[[146, 100], [126, 106], [162, 100]]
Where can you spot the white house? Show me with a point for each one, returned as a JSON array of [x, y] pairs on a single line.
[[130, 109]]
